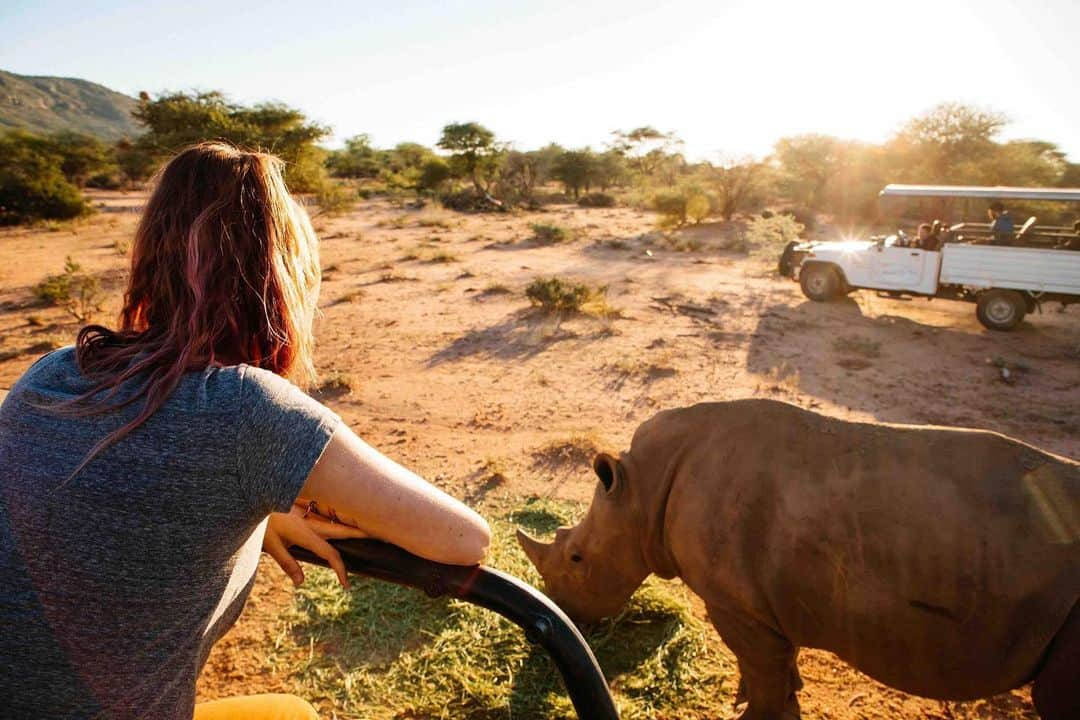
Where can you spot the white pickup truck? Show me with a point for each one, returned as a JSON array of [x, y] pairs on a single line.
[[1004, 282]]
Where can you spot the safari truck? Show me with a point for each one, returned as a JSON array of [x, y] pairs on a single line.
[[1006, 280]]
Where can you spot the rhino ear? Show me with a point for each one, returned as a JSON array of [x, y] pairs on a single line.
[[609, 470]]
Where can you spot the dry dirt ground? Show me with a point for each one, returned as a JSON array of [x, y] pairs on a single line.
[[440, 362]]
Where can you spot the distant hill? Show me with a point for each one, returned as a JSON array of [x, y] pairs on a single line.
[[52, 104]]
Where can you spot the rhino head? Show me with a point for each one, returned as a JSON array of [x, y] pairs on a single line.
[[592, 569]]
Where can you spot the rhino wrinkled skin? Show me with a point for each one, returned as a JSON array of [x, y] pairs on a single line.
[[942, 562]]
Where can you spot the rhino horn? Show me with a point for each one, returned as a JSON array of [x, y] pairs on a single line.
[[536, 551]]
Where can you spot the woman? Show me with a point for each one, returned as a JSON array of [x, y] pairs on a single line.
[[144, 468]]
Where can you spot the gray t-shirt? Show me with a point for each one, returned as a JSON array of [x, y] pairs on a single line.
[[115, 584]]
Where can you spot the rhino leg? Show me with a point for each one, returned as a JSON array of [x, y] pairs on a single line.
[[769, 677], [1056, 692]]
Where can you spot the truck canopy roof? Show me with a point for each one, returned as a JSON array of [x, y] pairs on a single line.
[[987, 193]]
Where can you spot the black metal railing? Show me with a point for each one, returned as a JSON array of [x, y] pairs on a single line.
[[541, 619]]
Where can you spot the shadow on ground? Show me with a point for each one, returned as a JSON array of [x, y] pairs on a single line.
[[520, 335], [916, 372]]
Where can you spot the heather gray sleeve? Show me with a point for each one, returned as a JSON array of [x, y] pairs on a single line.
[[281, 435]]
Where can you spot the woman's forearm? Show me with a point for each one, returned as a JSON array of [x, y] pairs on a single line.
[[363, 487]]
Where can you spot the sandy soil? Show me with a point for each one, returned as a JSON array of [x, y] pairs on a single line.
[[450, 374]]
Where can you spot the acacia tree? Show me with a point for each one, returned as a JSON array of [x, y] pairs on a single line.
[[807, 163], [474, 152], [519, 174], [737, 182], [358, 159], [179, 119], [609, 169], [576, 170], [645, 148]]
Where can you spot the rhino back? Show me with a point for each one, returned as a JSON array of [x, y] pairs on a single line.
[[941, 547]]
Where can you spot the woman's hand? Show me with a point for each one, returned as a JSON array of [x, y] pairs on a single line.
[[309, 531]]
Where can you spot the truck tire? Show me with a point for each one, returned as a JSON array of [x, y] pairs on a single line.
[[820, 282], [1000, 309], [785, 266]]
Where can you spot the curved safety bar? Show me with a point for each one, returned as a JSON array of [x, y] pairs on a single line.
[[541, 619]]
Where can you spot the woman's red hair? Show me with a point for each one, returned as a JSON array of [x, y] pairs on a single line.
[[224, 270]]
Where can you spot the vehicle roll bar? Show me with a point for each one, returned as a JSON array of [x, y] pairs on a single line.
[[541, 619]]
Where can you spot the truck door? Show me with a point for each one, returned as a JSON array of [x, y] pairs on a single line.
[[900, 268]]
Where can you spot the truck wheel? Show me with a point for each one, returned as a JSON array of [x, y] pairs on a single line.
[[819, 282], [1000, 309], [785, 267]]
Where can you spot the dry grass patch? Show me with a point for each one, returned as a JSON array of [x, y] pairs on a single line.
[[858, 346], [495, 288], [441, 257], [551, 234], [337, 384], [645, 370], [352, 296], [576, 450], [433, 222], [382, 651]]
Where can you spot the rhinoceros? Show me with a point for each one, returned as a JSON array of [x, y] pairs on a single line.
[[942, 562]]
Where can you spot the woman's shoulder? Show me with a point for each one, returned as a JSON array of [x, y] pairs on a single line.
[[263, 387], [55, 371]]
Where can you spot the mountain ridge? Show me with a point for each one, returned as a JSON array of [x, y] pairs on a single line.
[[46, 104]]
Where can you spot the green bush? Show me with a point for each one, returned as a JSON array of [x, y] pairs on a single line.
[[433, 174], [553, 295], [334, 198], [549, 234], [469, 200], [597, 200], [769, 234], [77, 292], [698, 208], [32, 183], [106, 181], [671, 204]]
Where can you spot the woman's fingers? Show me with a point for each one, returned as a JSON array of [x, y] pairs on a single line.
[[311, 541], [274, 546]]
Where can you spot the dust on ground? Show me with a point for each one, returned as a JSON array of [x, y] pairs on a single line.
[[435, 356]]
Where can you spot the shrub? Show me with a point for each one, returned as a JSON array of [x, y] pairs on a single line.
[[672, 208], [32, 183], [433, 174], [334, 198], [469, 200], [770, 234], [697, 208], [552, 295], [597, 200], [804, 216], [106, 181], [549, 234], [77, 292]]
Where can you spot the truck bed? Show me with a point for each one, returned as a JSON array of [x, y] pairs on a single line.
[[1018, 268]]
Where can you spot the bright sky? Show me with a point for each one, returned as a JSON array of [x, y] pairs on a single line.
[[727, 77]]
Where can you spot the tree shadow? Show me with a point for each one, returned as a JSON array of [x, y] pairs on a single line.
[[521, 335], [888, 365]]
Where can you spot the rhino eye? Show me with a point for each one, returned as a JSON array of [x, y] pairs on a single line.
[[574, 557]]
